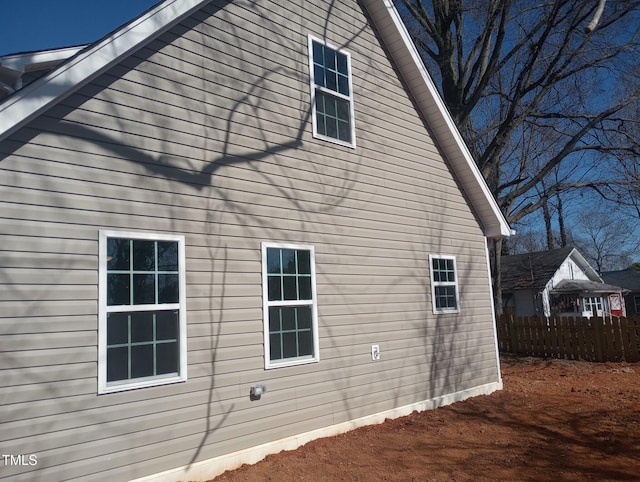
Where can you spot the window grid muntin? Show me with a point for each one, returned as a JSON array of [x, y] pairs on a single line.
[[593, 304], [131, 272], [335, 121], [444, 282], [446, 298], [338, 71], [443, 270], [298, 331], [175, 368], [308, 334], [341, 130], [283, 273], [154, 342]]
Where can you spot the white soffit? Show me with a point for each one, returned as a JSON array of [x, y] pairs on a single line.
[[34, 98], [399, 43], [26, 62]]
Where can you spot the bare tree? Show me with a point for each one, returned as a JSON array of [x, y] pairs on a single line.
[[625, 165], [552, 207], [527, 241], [603, 238], [561, 221], [535, 90]]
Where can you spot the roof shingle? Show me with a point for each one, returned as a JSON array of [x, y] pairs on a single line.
[[531, 270]]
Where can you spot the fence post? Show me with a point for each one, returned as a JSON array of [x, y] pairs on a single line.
[[533, 333], [546, 336], [634, 339], [584, 351], [538, 328], [513, 335], [628, 333], [503, 333], [525, 341], [617, 336], [565, 337], [553, 337], [575, 339], [598, 338]]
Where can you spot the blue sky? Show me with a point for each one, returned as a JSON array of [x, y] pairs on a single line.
[[27, 25]]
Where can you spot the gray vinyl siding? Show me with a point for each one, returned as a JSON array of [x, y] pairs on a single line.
[[206, 132]]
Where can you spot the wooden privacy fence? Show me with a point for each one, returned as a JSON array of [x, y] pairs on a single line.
[[592, 339]]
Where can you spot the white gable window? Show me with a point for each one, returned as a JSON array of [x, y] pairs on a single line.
[[289, 304], [331, 93], [444, 284], [142, 315]]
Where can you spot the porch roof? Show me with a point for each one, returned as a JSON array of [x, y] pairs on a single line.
[[585, 287]]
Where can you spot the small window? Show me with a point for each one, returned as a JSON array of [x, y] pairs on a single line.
[[592, 305], [331, 93], [444, 284], [142, 336], [290, 326]]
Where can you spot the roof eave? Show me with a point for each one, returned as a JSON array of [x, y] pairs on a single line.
[[24, 62], [582, 287], [33, 99], [585, 266], [399, 44]]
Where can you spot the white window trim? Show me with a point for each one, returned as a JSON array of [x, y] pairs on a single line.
[[103, 309], [434, 283], [268, 364], [349, 98]]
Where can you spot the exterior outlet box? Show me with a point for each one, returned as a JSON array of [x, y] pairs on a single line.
[[375, 352], [257, 391]]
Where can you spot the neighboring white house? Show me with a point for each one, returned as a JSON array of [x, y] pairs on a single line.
[[557, 282]]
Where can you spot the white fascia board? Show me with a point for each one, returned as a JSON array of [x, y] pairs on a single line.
[[398, 41], [591, 273], [33, 99]]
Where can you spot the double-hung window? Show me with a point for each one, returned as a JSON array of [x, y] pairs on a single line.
[[142, 315], [289, 304], [331, 93], [444, 284]]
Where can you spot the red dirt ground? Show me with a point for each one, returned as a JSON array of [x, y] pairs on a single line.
[[555, 420]]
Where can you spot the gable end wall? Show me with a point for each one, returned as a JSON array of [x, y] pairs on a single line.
[[206, 132]]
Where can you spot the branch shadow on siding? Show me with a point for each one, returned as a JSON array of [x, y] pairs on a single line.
[[214, 343], [460, 347], [200, 163]]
